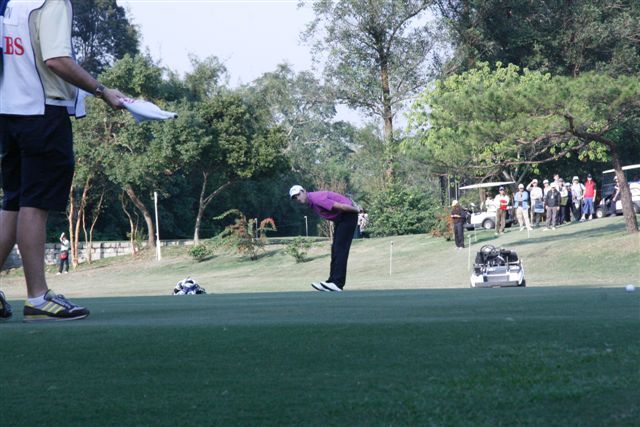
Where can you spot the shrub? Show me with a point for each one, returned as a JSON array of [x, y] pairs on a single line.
[[240, 234], [443, 225], [200, 252], [298, 248], [398, 210]]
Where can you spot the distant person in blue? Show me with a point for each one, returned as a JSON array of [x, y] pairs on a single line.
[[341, 211], [521, 202]]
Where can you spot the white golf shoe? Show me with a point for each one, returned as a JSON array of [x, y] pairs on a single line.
[[318, 287], [331, 287]]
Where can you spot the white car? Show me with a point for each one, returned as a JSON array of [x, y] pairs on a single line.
[[603, 207], [485, 218]]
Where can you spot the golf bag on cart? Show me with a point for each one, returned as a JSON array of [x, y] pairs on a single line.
[[495, 267]]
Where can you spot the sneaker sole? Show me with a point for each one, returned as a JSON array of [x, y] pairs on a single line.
[[45, 318], [327, 288], [319, 287]]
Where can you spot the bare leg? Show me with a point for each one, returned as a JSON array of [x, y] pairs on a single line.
[[31, 236], [8, 222]]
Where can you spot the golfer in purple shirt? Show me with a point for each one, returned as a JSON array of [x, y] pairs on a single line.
[[339, 209]]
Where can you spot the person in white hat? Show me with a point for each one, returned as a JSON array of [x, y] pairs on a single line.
[[577, 194], [502, 202], [343, 212], [521, 202], [537, 202]]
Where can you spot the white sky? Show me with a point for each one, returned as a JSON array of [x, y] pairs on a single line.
[[251, 37]]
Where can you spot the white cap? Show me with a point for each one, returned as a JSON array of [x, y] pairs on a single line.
[[295, 190], [575, 178], [534, 180], [454, 202], [521, 186], [554, 185], [546, 181]]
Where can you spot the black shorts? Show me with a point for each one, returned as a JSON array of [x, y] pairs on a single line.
[[37, 160]]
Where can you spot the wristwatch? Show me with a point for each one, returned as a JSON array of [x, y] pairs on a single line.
[[99, 91]]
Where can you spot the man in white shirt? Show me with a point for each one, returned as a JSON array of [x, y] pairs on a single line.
[[537, 203], [38, 90], [577, 194]]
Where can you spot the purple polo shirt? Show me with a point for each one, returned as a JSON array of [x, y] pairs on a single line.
[[322, 202]]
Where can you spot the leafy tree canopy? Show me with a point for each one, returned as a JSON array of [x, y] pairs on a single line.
[[558, 36], [102, 34]]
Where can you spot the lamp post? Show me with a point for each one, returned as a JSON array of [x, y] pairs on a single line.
[[155, 204]]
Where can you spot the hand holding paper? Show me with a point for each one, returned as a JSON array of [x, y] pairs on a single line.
[[144, 110]]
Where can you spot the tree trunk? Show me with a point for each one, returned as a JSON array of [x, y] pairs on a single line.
[[89, 239], [132, 226], [70, 215], [151, 241], [204, 202], [628, 210], [196, 231], [387, 112], [79, 219]]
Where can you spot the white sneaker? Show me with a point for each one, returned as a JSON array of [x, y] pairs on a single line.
[[318, 287], [521, 228], [331, 287]]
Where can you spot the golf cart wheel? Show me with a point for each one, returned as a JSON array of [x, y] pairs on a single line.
[[599, 213], [523, 284], [488, 224]]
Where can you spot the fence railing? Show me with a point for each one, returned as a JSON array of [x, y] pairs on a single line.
[[102, 250]]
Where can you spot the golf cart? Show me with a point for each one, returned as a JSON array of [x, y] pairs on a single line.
[[485, 217], [632, 173], [497, 267]]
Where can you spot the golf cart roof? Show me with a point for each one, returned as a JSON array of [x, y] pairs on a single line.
[[624, 168], [486, 185]]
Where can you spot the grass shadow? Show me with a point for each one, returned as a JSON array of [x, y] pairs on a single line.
[[553, 235], [315, 257]]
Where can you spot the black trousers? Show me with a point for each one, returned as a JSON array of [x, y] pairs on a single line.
[[342, 237], [458, 231], [64, 264]]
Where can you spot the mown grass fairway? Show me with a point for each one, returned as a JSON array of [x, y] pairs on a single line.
[[565, 351], [596, 253], [546, 356]]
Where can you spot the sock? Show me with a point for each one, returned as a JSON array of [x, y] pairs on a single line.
[[38, 301]]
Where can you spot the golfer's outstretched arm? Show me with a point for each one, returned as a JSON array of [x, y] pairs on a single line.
[[69, 70]]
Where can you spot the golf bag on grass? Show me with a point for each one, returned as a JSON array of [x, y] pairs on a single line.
[[188, 286]]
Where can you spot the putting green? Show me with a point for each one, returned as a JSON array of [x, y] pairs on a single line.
[[545, 356]]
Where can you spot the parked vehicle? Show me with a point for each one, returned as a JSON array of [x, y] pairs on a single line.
[[485, 216], [632, 173]]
